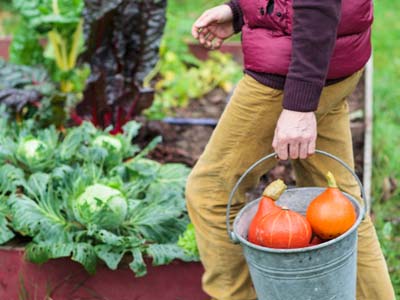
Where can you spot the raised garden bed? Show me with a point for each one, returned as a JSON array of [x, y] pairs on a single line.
[[63, 279]]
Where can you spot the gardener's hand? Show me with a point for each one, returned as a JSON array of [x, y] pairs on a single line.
[[295, 135], [214, 26]]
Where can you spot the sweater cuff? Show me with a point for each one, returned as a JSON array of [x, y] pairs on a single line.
[[301, 95], [237, 15]]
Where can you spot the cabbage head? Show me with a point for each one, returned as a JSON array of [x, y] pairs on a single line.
[[34, 153], [101, 205], [110, 143], [114, 147]]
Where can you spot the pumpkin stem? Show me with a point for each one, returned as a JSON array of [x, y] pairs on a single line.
[[331, 180], [275, 189]]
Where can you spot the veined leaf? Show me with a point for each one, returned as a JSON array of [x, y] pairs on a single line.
[[170, 180], [37, 185], [6, 232], [85, 254], [109, 238], [110, 255], [158, 221], [138, 265], [46, 250], [120, 57], [163, 254], [131, 130], [37, 253], [38, 220], [10, 178]]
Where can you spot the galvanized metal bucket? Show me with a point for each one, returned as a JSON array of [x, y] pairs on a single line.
[[323, 272]]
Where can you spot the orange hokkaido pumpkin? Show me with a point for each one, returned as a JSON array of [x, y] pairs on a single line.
[[266, 205], [284, 229], [331, 213]]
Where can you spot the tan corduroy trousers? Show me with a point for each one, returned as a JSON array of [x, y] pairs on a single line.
[[243, 135]]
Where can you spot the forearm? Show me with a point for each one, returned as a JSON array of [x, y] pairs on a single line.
[[314, 33], [238, 21]]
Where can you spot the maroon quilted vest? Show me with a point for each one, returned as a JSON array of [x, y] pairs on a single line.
[[267, 42]]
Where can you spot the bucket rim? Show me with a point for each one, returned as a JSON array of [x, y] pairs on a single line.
[[244, 241]]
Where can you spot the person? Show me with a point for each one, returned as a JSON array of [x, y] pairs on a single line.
[[302, 59]]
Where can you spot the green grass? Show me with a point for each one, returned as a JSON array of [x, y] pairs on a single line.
[[386, 42], [386, 160]]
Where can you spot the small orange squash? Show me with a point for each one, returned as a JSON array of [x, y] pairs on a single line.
[[266, 205], [284, 229], [331, 213]]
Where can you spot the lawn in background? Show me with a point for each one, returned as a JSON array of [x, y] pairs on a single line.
[[386, 171]]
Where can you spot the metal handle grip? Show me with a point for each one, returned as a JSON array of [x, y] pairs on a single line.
[[272, 155]]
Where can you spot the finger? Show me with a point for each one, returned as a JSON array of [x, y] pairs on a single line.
[[208, 45], [210, 37], [195, 31], [283, 152], [311, 147], [199, 24], [275, 141], [209, 41], [303, 150], [294, 150], [202, 35], [218, 43]]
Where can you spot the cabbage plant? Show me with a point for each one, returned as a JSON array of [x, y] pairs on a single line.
[[28, 149], [33, 152], [102, 205], [88, 205]]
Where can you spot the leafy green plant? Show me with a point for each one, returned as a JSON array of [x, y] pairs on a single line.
[[30, 93], [179, 82], [9, 178], [187, 241], [100, 199], [122, 44], [58, 24], [28, 152]]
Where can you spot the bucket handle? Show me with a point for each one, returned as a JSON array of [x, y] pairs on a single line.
[[269, 156]]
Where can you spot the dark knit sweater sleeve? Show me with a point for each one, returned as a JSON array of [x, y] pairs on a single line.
[[238, 21], [315, 24]]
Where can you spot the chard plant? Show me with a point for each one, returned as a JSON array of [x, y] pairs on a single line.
[[122, 39], [57, 24], [99, 199]]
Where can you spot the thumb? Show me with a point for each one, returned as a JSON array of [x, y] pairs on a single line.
[[206, 19], [203, 21]]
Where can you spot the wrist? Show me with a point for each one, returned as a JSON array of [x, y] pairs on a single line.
[[237, 15], [302, 96]]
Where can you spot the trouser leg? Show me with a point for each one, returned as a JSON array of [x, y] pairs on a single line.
[[334, 136], [243, 135]]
